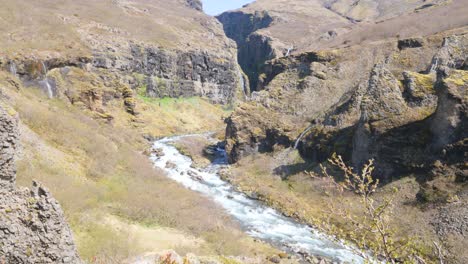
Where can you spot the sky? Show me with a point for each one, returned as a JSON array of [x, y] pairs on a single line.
[[216, 7]]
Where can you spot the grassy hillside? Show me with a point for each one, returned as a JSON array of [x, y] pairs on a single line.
[[47, 27], [117, 204], [312, 25]]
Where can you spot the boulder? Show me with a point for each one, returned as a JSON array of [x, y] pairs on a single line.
[[195, 4], [33, 228], [410, 43]]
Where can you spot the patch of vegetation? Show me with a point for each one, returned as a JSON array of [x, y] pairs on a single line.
[[172, 116], [303, 197], [458, 77], [95, 169], [194, 147]]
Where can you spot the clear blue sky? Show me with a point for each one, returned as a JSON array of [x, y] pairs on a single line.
[[216, 7]]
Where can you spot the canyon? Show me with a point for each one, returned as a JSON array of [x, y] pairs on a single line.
[[96, 95]]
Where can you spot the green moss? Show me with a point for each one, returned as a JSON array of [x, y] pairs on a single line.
[[458, 78], [170, 102], [424, 83]]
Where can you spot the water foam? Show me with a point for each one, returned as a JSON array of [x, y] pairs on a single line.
[[258, 220]]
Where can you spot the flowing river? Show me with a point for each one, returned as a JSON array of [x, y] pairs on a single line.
[[257, 220]]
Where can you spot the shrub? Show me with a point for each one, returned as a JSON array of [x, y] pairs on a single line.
[[370, 228]]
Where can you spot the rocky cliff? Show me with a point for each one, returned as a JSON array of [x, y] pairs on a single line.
[[377, 99], [365, 80], [155, 48], [33, 228], [369, 102], [265, 29]]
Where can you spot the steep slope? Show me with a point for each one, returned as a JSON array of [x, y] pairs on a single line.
[[364, 79], [169, 49], [90, 82], [271, 29]]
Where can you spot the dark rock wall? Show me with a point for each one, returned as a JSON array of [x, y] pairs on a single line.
[[179, 74], [253, 49], [397, 106], [191, 73], [185, 73], [33, 228], [8, 141]]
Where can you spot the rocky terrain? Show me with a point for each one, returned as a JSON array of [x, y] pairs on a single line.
[[33, 227], [93, 83], [356, 82], [348, 99], [130, 44], [265, 30]]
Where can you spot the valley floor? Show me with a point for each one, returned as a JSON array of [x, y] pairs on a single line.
[[116, 203], [280, 181]]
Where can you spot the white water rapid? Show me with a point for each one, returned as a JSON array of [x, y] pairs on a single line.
[[258, 220]]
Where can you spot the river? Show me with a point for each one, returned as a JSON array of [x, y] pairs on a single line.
[[257, 219]]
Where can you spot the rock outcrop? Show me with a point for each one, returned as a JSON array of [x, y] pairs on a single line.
[[195, 4], [254, 128], [449, 124], [186, 74], [253, 49], [168, 48], [270, 29], [8, 139], [374, 101], [32, 224]]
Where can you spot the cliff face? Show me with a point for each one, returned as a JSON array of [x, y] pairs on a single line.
[[33, 228], [368, 102], [378, 99], [149, 40], [265, 30], [253, 49]]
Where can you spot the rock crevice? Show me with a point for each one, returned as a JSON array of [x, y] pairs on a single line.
[[253, 49]]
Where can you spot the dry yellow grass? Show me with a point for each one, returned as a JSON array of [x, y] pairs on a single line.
[[305, 198], [97, 172], [172, 116], [48, 27], [194, 147]]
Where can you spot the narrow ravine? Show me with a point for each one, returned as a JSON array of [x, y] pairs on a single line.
[[257, 220]]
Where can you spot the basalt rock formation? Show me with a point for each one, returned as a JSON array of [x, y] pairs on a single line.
[[122, 49], [381, 109], [33, 228], [253, 49], [365, 80], [379, 99], [269, 29], [373, 100]]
